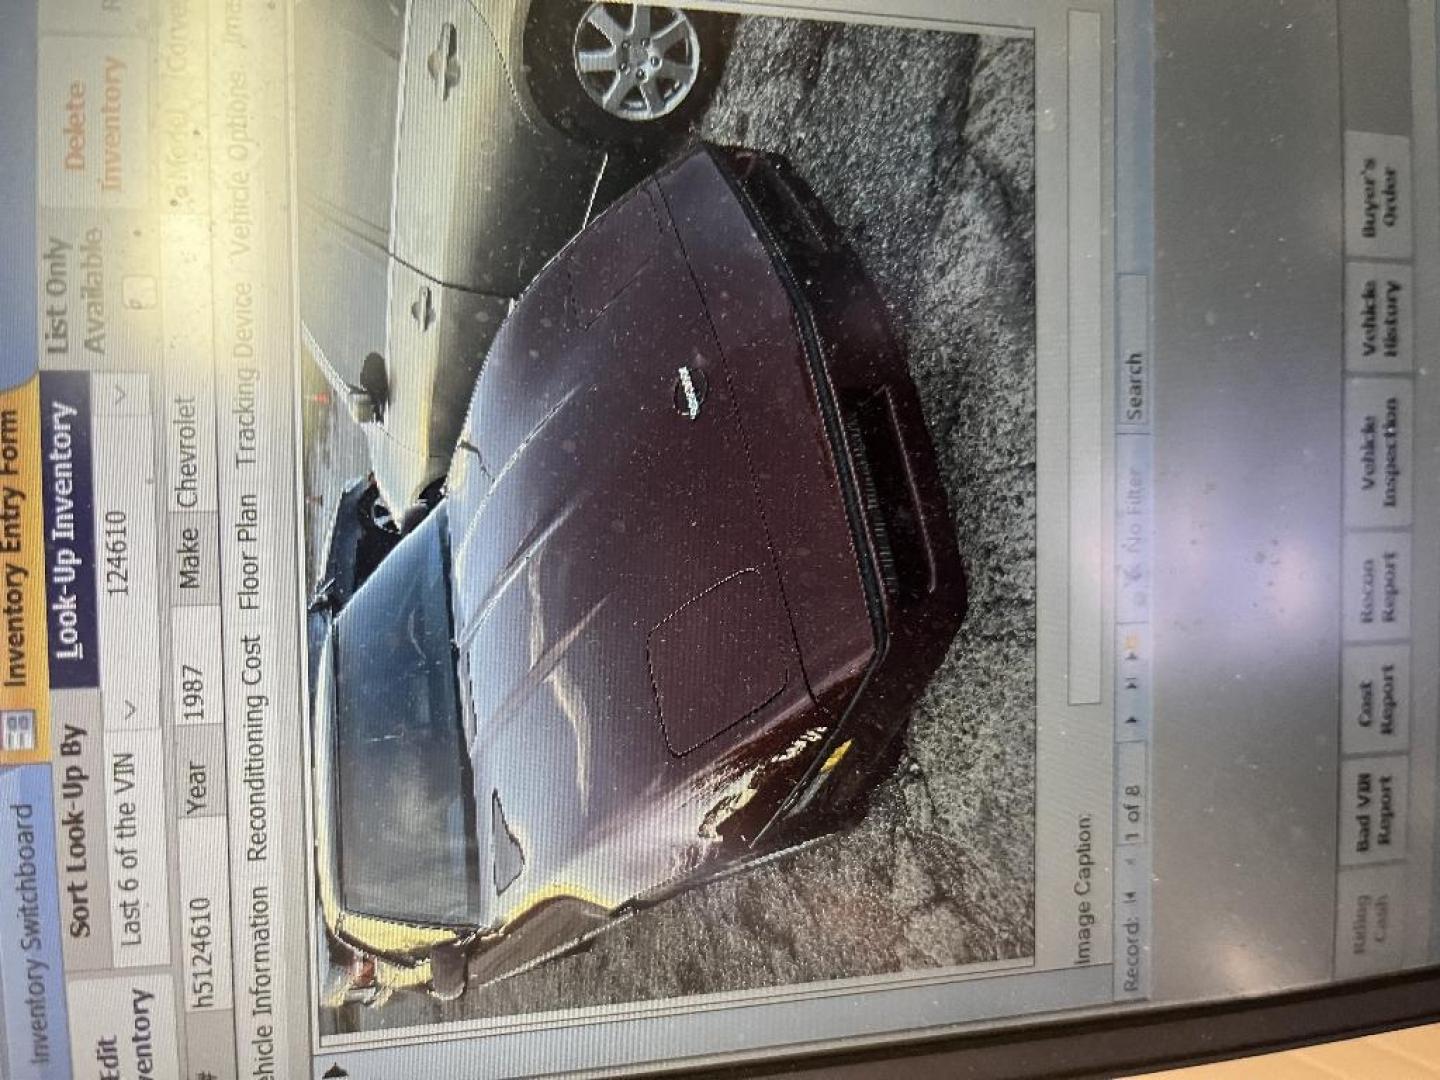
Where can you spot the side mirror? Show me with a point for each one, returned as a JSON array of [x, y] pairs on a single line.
[[373, 393], [361, 406], [449, 962]]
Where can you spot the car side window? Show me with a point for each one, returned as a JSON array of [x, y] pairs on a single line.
[[509, 857]]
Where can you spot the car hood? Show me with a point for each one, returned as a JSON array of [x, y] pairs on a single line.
[[621, 629]]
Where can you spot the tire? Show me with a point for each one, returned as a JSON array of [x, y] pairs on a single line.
[[659, 100]]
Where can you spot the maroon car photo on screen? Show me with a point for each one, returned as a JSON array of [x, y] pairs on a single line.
[[670, 508]]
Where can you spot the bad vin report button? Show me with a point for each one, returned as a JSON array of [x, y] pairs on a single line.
[[1373, 809]]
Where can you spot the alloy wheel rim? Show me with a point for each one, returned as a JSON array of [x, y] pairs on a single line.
[[640, 68]]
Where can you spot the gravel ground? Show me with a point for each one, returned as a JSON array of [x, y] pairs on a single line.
[[921, 146]]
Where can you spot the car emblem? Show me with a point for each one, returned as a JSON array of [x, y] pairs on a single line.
[[690, 389]]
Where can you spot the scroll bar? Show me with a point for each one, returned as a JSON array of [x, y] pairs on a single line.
[[1086, 370]]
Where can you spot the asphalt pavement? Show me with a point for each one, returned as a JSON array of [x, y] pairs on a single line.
[[920, 144]]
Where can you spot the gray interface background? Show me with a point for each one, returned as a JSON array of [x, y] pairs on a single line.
[[929, 171]]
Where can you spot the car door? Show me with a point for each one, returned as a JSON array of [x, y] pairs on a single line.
[[484, 196], [362, 292], [347, 77], [437, 339]]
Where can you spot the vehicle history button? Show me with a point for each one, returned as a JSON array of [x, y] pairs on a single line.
[[1379, 318]]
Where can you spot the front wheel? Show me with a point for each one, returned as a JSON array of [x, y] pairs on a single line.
[[621, 74]]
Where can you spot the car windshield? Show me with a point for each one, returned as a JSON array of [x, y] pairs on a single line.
[[405, 804]]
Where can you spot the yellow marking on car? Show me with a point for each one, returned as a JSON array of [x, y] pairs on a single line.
[[386, 937], [836, 756], [557, 892]]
